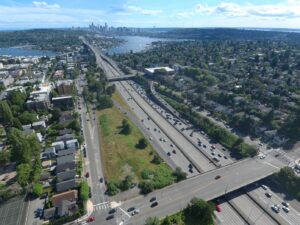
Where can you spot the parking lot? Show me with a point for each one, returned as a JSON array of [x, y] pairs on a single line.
[[13, 212]]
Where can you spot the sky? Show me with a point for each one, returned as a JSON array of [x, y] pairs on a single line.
[[26, 14]]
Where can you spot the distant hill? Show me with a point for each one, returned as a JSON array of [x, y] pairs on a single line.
[[231, 34]]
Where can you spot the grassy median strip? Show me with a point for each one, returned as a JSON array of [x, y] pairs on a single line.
[[122, 158]]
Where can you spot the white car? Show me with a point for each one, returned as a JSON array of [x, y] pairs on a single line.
[[136, 211], [286, 209], [264, 187], [262, 156], [275, 208]]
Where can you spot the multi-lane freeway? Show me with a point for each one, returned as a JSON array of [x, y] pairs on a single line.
[[177, 196]]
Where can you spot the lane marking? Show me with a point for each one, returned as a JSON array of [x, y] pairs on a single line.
[[124, 212]]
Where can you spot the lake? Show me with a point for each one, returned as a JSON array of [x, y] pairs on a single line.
[[13, 51], [134, 43]]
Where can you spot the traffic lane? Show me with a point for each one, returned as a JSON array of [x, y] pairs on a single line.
[[179, 159], [175, 197], [253, 213], [94, 163], [228, 216], [189, 133], [292, 217], [197, 158]]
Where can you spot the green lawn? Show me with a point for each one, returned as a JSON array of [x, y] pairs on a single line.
[[121, 157]]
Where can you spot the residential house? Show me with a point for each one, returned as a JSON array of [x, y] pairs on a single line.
[[66, 175], [66, 185]]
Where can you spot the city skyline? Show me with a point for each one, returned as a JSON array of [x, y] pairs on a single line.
[[26, 14]]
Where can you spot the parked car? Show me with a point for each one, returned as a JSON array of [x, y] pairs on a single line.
[[87, 175]]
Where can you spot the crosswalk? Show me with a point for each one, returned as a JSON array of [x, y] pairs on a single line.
[[102, 206]]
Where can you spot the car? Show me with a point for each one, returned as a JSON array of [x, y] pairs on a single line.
[[171, 145], [213, 147], [169, 153], [218, 208], [112, 211], [262, 156], [174, 151], [275, 208], [154, 204], [152, 199], [286, 204], [87, 175], [286, 209], [204, 146], [269, 195], [136, 211], [191, 170], [213, 153], [101, 180], [217, 177], [110, 217], [225, 157], [130, 209], [264, 187], [90, 219], [190, 166]]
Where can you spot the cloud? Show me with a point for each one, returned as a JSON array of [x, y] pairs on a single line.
[[283, 10], [45, 5], [21, 17], [130, 9]]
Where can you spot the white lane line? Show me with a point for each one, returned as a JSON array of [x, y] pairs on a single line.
[[124, 212], [101, 203]]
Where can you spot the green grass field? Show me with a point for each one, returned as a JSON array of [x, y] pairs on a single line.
[[121, 157]]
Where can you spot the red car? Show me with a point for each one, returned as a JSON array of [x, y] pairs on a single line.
[[218, 208], [87, 175], [174, 151], [90, 219]]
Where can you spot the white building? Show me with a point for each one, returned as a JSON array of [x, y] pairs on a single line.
[[152, 70]]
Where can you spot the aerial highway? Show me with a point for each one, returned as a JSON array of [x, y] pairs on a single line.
[[205, 186]]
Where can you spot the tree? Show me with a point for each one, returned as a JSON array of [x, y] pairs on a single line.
[[199, 212], [27, 117], [75, 125], [179, 174], [23, 174], [104, 102], [152, 221], [6, 116], [156, 159], [126, 183], [112, 189], [126, 128], [24, 148], [146, 187], [36, 170], [84, 191], [142, 144], [37, 189], [110, 89]]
